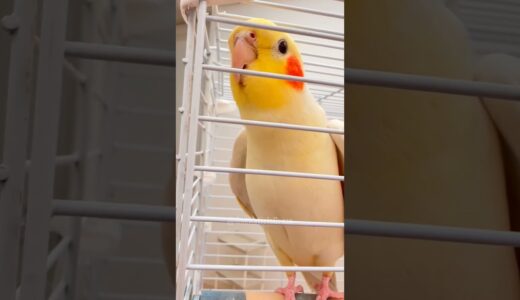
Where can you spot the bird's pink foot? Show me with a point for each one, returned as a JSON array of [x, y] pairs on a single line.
[[324, 291], [289, 292]]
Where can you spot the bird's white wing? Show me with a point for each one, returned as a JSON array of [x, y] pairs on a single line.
[[237, 182], [339, 141], [314, 278]]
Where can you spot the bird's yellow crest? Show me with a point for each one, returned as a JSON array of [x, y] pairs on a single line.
[[264, 51]]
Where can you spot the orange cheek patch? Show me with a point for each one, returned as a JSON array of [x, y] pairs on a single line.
[[294, 68]]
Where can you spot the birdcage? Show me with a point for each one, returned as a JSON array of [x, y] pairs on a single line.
[[219, 248]]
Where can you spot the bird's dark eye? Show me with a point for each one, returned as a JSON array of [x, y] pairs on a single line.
[[282, 46]]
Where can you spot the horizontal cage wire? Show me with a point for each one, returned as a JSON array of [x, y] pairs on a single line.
[[225, 250]]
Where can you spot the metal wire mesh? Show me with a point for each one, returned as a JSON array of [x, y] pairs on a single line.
[[226, 250]]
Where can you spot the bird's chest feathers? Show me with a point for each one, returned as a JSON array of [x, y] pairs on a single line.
[[285, 149], [290, 150], [275, 196]]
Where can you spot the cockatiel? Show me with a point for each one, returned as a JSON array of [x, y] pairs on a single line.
[[268, 197], [275, 149], [431, 158]]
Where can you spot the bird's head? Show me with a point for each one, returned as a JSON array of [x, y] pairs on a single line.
[[264, 51]]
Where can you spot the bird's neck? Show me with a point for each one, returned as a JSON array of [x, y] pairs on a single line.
[[293, 107], [301, 110]]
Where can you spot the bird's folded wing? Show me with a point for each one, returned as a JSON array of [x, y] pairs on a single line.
[[339, 141], [237, 181]]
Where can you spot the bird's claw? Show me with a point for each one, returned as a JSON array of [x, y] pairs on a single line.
[[324, 292], [289, 292]]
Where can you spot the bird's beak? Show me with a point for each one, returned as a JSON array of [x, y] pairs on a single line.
[[243, 53]]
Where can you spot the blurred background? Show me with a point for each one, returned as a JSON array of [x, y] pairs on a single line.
[[431, 156], [494, 26], [127, 110]]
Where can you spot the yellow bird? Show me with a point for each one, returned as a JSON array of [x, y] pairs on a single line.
[[287, 198], [413, 156]]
